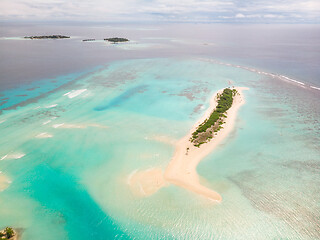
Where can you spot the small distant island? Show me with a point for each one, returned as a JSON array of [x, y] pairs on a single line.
[[116, 39], [204, 132], [8, 234], [88, 40], [48, 37]]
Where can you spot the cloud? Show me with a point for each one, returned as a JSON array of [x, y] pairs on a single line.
[[163, 10], [273, 16], [240, 15]]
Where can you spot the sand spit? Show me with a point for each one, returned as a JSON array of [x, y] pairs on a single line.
[[146, 183], [181, 170]]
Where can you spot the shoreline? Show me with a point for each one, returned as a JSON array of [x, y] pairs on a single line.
[[181, 170]]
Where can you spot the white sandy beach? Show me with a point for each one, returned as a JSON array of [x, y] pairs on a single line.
[[181, 170]]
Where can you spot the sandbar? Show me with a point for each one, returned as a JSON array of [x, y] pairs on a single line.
[[147, 182], [181, 170]]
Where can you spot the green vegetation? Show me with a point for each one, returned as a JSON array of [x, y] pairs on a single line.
[[116, 40], [7, 233], [48, 37], [204, 132]]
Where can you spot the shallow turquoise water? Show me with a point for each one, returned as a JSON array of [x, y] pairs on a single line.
[[73, 184]]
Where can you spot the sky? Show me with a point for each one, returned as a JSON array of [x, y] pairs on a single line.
[[228, 11]]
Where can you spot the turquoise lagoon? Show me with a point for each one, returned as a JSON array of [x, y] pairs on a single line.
[[71, 182]]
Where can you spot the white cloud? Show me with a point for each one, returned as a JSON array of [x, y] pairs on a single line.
[[184, 10], [273, 16], [240, 15], [295, 6]]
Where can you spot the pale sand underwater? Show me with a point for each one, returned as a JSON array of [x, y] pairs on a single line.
[[4, 182], [181, 170]]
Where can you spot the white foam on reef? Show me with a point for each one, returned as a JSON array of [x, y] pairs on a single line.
[[315, 87], [51, 106], [44, 135], [281, 77], [290, 79], [12, 156], [46, 122], [2, 121], [74, 93]]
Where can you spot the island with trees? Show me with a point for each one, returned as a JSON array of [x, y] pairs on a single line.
[[8, 234], [48, 37], [212, 124], [217, 123], [116, 40]]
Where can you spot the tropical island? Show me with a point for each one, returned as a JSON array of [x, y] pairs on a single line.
[[8, 234], [48, 37], [213, 124], [116, 39], [209, 132]]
